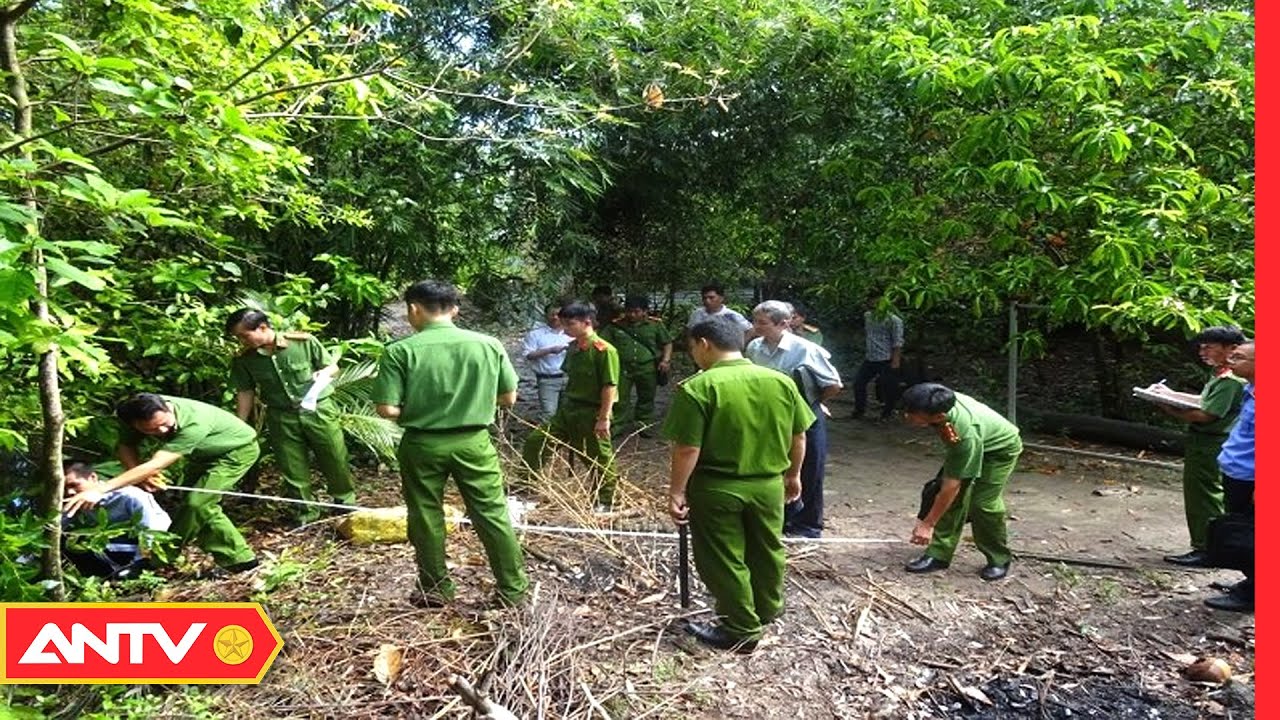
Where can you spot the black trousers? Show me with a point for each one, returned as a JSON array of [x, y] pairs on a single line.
[[1239, 501], [886, 383]]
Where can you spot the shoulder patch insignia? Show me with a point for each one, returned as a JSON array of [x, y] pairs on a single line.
[[949, 434], [600, 345]]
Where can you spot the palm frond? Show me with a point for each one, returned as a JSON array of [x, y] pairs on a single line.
[[376, 433]]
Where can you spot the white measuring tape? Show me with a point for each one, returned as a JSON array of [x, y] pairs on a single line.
[[544, 529]]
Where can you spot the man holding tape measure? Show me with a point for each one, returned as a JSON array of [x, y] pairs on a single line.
[[279, 368], [442, 385], [738, 442]]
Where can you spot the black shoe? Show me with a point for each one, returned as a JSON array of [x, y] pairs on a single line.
[[716, 637], [994, 572], [925, 564], [242, 566], [1231, 602], [1195, 558]]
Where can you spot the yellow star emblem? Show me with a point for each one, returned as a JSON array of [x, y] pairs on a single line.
[[233, 644]]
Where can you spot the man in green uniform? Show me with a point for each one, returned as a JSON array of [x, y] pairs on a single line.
[[583, 418], [443, 385], [738, 443], [219, 448], [279, 368], [644, 349], [982, 450], [1207, 428], [802, 325]]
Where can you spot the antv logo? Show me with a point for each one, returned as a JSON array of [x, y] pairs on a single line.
[[108, 647], [136, 643]]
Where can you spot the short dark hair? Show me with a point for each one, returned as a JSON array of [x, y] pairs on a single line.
[[554, 305], [714, 287], [140, 407], [78, 469], [435, 296], [928, 398], [720, 332], [247, 318], [636, 301], [799, 308], [578, 311], [601, 290], [1220, 335]]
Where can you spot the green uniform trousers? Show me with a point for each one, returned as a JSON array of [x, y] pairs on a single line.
[[292, 433], [981, 501], [427, 461], [640, 381], [735, 527], [200, 517], [1202, 495], [574, 425]]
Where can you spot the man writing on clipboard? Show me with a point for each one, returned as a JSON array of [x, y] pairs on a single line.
[[1208, 421]]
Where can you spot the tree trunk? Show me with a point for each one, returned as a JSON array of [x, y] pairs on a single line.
[[1106, 359], [50, 391]]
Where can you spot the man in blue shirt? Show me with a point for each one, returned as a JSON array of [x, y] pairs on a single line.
[[809, 365], [1236, 462]]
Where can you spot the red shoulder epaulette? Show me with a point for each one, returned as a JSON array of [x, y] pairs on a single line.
[[600, 345]]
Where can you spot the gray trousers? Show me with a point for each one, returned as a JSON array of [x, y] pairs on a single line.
[[549, 395]]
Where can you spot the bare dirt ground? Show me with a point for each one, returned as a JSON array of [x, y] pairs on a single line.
[[860, 638]]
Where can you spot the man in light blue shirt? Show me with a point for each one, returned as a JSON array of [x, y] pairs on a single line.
[[1236, 462], [544, 347], [809, 365]]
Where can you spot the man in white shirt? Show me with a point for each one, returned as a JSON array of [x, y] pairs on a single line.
[[131, 509], [809, 365], [544, 348], [713, 307]]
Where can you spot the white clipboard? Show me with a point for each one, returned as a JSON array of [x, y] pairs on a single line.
[[1162, 399]]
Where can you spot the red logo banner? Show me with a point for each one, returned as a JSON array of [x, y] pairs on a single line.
[[227, 643]]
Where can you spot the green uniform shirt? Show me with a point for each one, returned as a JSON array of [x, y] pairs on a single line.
[[282, 377], [1221, 396], [444, 377], [742, 416], [982, 431], [591, 364], [810, 333], [203, 431], [637, 343]]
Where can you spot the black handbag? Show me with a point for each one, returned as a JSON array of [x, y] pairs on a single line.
[[1231, 542]]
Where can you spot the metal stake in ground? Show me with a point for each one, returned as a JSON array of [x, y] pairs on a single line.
[[684, 565]]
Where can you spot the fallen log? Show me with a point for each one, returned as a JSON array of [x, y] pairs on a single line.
[[1088, 427]]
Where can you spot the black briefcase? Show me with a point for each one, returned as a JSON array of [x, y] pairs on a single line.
[[1231, 542], [928, 494]]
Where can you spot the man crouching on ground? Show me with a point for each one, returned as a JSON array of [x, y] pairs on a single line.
[[737, 432], [982, 451]]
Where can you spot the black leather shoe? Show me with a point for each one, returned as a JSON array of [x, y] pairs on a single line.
[[1231, 602], [926, 563], [994, 572], [716, 637], [242, 567], [1195, 558]]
